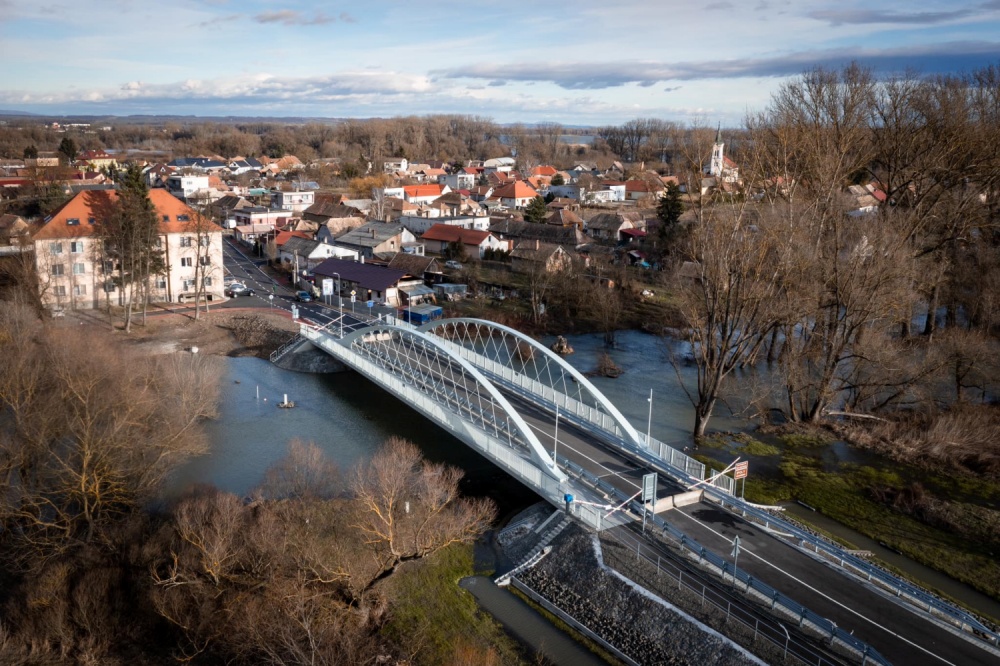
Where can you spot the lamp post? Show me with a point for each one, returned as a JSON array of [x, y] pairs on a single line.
[[649, 422], [555, 441], [340, 304]]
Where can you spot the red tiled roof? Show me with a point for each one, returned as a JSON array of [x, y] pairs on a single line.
[[431, 190], [516, 190], [96, 204], [283, 237], [447, 233], [544, 170]]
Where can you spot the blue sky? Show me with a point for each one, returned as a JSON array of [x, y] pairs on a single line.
[[578, 63]]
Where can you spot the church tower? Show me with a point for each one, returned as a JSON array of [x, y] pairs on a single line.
[[718, 161]]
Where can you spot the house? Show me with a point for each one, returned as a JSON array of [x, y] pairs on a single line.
[[295, 201], [257, 215], [609, 226], [415, 265], [458, 181], [534, 255], [418, 194], [226, 207], [74, 272], [376, 238], [636, 189], [304, 254], [15, 235], [97, 159], [499, 164], [183, 185], [518, 230], [440, 236], [201, 164], [564, 217], [364, 282], [241, 165], [515, 195], [324, 211], [248, 234], [392, 166]]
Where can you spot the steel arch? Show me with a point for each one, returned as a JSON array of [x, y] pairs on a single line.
[[537, 452], [629, 431]]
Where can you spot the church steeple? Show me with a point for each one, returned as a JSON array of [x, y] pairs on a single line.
[[718, 161]]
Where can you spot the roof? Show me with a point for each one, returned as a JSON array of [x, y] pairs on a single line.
[[283, 237], [429, 190], [535, 250], [370, 235], [300, 246], [613, 221], [413, 264], [544, 170], [564, 218], [516, 190], [544, 232], [367, 276], [255, 228], [447, 233], [330, 210], [98, 204]]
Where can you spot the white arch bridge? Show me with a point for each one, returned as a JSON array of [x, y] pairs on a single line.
[[499, 391]]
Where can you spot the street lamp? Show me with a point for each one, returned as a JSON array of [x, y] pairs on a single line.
[[270, 301], [555, 441], [788, 638], [340, 304], [649, 422]]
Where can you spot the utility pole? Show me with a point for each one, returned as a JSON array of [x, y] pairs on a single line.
[[649, 422]]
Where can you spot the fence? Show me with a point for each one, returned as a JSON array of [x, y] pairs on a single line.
[[768, 629]]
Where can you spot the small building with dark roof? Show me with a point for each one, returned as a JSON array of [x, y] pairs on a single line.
[[369, 282]]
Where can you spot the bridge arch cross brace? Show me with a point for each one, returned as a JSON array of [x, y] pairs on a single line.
[[629, 431]]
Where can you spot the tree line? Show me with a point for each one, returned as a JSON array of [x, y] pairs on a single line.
[[871, 311]]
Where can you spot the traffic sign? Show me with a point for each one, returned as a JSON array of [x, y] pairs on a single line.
[[735, 552], [741, 470], [370, 304], [649, 488], [353, 292], [353, 297], [328, 286]]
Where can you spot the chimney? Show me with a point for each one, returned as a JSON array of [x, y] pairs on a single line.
[[538, 244], [372, 230]]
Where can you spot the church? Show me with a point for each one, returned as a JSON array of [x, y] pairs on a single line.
[[721, 167]]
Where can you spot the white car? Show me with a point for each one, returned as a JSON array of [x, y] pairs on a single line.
[[451, 263]]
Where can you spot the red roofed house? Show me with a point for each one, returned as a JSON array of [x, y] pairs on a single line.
[[515, 195], [418, 194], [440, 236], [73, 271]]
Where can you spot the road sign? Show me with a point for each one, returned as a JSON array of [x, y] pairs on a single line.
[[741, 469], [353, 297], [370, 304], [649, 488], [353, 292], [736, 547], [328, 286]]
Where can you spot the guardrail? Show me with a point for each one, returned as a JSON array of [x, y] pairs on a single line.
[[764, 592], [285, 348], [789, 644]]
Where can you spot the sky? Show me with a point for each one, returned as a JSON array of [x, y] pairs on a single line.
[[585, 62]]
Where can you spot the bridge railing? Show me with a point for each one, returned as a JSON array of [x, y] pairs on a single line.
[[751, 586], [587, 416]]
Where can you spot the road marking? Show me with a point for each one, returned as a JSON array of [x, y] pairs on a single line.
[[584, 455], [823, 594]]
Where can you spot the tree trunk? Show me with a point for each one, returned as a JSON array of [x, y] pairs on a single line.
[[702, 414], [930, 324]]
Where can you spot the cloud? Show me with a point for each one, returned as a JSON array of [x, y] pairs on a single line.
[[293, 17], [716, 6], [672, 88], [865, 16], [944, 58], [219, 20]]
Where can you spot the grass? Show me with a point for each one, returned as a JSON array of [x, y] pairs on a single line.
[[440, 623]]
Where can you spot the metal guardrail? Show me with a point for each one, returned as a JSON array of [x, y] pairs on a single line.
[[285, 348], [776, 599], [790, 645]]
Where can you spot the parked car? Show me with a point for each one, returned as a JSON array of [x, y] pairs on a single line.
[[303, 296], [451, 263], [237, 289]]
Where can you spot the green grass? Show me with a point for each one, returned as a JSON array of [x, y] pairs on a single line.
[[438, 621]]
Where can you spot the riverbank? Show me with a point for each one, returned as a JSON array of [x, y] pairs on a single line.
[[942, 519]]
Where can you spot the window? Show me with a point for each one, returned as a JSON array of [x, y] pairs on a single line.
[[76, 247], [79, 269], [57, 270], [59, 290], [73, 222], [91, 220], [187, 262], [109, 286], [204, 241], [207, 281], [185, 241], [188, 285], [161, 283], [80, 290], [183, 218], [55, 248], [109, 266], [205, 261], [166, 218]]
